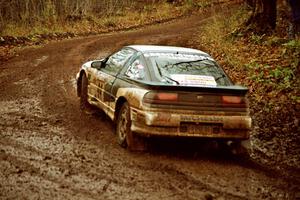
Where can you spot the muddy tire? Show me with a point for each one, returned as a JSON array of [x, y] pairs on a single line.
[[125, 137], [84, 104]]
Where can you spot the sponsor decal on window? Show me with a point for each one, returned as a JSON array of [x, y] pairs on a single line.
[[197, 80]]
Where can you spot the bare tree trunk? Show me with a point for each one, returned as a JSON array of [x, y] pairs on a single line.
[[263, 18], [270, 12]]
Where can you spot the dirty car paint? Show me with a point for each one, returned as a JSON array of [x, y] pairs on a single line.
[[198, 114]]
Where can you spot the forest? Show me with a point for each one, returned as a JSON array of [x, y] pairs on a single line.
[[47, 15]]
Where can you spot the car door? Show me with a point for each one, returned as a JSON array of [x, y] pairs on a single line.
[[107, 76]]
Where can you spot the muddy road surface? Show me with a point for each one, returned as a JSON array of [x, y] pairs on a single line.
[[50, 150]]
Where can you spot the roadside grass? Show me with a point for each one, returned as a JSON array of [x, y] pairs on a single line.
[[269, 65], [125, 18]]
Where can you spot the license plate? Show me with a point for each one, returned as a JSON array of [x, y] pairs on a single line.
[[200, 129]]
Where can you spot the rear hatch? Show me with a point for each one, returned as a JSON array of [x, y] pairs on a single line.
[[229, 100]]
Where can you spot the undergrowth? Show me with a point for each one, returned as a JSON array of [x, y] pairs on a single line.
[[269, 65]]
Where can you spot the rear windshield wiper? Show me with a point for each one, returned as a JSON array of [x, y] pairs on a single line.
[[188, 62], [164, 76]]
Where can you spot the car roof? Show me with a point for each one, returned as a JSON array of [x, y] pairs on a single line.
[[157, 48]]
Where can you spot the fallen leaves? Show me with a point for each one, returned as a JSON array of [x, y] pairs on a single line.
[[269, 67]]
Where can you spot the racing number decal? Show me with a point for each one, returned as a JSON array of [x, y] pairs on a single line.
[[102, 83], [99, 92]]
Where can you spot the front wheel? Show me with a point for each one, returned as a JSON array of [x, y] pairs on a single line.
[[126, 138]]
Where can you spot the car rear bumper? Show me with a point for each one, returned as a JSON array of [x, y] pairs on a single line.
[[190, 125]]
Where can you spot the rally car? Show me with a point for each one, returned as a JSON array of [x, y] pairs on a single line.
[[152, 90]]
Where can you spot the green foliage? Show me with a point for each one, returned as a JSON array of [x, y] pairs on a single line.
[[272, 77], [293, 44], [257, 39], [292, 49]]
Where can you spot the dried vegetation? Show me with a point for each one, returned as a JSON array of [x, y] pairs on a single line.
[[269, 65]]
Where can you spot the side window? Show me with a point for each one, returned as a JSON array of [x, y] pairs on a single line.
[[137, 69], [116, 61]]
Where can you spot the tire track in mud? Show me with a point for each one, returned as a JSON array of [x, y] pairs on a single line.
[[50, 150]]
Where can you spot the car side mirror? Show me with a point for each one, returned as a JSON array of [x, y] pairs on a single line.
[[97, 64]]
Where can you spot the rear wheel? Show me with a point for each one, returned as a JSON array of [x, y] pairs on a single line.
[[126, 138]]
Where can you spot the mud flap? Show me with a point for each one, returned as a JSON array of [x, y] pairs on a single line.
[[136, 142]]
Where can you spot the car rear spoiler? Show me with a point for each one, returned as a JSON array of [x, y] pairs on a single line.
[[228, 90]]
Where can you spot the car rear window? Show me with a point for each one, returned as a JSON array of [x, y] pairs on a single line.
[[189, 69]]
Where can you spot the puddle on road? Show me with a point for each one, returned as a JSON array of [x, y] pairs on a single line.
[[22, 81], [40, 60]]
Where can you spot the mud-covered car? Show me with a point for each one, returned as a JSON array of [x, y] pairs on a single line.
[[165, 91]]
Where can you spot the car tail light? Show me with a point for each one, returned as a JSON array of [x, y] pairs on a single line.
[[160, 97], [167, 96], [233, 99]]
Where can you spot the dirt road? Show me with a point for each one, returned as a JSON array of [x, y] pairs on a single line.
[[50, 150]]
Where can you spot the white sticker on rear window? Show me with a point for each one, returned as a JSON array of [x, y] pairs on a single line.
[[178, 56], [194, 80]]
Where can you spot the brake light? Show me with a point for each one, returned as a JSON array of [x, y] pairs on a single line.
[[160, 97], [167, 96], [232, 99]]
